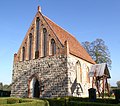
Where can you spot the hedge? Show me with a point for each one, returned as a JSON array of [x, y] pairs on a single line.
[[27, 104], [23, 102], [65, 100], [75, 103], [79, 99], [108, 100], [57, 101], [12, 100]]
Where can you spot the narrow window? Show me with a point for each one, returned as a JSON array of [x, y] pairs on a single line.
[[88, 78], [58, 50], [37, 33], [37, 37], [30, 46], [23, 53], [78, 73], [44, 42], [53, 47]]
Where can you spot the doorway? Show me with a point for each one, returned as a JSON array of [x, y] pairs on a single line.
[[36, 91], [34, 88]]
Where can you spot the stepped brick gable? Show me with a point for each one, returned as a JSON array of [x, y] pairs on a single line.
[[50, 63]]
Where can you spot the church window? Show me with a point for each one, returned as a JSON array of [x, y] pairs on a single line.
[[37, 37], [44, 42], [37, 33], [30, 46], [88, 78], [78, 72], [53, 47], [58, 50], [23, 53]]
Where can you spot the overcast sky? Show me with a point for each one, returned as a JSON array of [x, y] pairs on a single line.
[[85, 19]]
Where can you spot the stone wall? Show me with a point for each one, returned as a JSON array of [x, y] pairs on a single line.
[[78, 89], [56, 73], [50, 71]]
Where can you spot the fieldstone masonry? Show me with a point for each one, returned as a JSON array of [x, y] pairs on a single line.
[[57, 74], [51, 72]]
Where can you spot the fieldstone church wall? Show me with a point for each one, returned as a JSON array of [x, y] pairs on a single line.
[[51, 72]]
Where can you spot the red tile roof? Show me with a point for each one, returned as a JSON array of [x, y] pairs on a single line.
[[75, 47]]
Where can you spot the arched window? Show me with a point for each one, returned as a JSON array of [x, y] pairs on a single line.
[[37, 33], [78, 72], [30, 46], [87, 76], [53, 47], [44, 42], [23, 53]]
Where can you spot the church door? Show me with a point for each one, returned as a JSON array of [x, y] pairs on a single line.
[[36, 92]]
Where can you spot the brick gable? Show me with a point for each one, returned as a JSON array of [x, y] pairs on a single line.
[[59, 35]]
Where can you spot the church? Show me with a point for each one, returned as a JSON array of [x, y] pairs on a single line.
[[50, 63]]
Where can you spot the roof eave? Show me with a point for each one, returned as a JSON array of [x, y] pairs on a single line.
[[92, 62]]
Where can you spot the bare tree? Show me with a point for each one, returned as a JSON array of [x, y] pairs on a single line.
[[98, 51], [118, 84], [1, 86]]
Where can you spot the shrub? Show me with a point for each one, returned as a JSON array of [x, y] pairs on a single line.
[[12, 100], [109, 101], [64, 101], [79, 99], [56, 102], [25, 102]]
